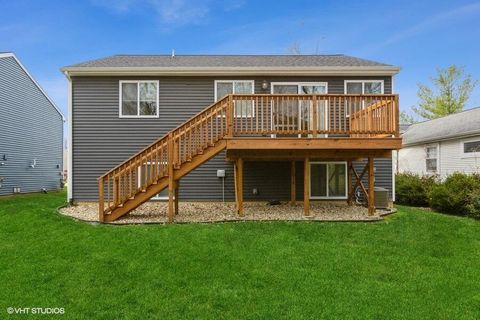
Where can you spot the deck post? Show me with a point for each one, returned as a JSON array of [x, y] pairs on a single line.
[[349, 182], [177, 187], [371, 187], [397, 116], [293, 189], [306, 187], [171, 182], [229, 117], [239, 185], [101, 216], [314, 116]]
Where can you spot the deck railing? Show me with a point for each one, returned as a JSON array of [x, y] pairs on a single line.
[[308, 116], [315, 115]]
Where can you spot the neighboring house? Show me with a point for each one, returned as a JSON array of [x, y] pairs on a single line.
[[276, 127], [442, 146], [31, 132]]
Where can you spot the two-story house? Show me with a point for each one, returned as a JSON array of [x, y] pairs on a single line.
[[207, 127]]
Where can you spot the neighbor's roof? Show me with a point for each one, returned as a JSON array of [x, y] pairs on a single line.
[[13, 56], [229, 64], [458, 125]]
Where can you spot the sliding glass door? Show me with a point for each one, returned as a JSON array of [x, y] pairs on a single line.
[[294, 114], [328, 180]]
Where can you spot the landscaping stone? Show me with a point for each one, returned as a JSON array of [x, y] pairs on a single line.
[[155, 212]]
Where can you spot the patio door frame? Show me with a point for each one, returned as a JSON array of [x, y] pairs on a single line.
[[327, 197], [299, 84]]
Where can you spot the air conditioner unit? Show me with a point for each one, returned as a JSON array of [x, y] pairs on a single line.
[[381, 198]]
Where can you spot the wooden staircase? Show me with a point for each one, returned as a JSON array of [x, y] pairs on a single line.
[[161, 164]]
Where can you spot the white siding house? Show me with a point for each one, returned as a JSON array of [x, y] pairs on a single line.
[[442, 146]]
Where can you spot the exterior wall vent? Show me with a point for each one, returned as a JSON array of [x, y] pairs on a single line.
[[17, 190]]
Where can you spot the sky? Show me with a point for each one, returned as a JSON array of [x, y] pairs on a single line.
[[418, 36]]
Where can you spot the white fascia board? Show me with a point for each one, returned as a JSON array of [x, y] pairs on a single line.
[[202, 71]]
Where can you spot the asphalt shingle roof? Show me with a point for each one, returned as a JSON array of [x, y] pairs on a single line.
[[456, 125], [185, 61]]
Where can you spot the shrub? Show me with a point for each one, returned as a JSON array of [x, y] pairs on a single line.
[[459, 194], [414, 190]]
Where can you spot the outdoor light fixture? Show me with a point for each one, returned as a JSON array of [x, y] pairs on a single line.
[[264, 85]]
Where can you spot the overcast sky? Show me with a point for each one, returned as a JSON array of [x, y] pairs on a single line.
[[418, 36]]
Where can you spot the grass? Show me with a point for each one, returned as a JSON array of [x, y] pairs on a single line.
[[413, 265]]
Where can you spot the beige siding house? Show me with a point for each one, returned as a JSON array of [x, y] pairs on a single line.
[[442, 146]]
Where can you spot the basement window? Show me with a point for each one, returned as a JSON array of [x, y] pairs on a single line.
[[138, 99]]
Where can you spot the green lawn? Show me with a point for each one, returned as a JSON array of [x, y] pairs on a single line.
[[413, 265]]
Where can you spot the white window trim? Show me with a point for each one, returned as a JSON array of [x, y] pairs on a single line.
[[299, 84], [468, 154], [363, 85], [346, 82], [437, 146], [328, 197], [233, 89], [138, 116]]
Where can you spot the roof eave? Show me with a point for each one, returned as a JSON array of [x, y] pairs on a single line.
[[202, 71], [442, 138]]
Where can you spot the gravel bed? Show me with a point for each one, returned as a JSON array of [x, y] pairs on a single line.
[[155, 212]]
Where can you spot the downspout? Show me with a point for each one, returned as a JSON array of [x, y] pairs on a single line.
[[70, 141]]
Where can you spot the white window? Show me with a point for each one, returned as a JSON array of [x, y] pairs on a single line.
[[244, 108], [471, 148], [361, 87], [364, 87], [431, 159], [138, 99]]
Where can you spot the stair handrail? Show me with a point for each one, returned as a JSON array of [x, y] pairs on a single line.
[[164, 137]]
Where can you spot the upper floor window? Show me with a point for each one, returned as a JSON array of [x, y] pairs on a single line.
[[471, 148], [243, 108], [364, 87], [361, 87], [138, 99], [431, 159]]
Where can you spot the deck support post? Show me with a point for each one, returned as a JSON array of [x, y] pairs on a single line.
[[238, 173], [306, 187], [371, 187], [101, 209], [177, 187], [349, 182], [171, 182], [293, 184]]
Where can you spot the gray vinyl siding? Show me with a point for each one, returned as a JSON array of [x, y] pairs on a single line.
[[30, 128], [102, 140]]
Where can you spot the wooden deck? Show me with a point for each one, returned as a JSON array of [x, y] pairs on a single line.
[[255, 128]]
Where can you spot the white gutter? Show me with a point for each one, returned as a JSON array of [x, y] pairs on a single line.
[[259, 71]]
